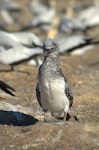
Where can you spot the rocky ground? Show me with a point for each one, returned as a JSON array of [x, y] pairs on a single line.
[[22, 125]]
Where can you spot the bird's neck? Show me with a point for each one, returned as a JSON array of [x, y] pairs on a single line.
[[50, 68], [52, 60], [51, 64]]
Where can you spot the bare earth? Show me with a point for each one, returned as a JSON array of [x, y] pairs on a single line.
[[26, 132], [22, 125]]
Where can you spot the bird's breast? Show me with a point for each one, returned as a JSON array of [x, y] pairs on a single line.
[[53, 95]]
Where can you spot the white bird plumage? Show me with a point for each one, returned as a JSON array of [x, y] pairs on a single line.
[[16, 47]]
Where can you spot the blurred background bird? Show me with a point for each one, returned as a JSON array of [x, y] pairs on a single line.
[[18, 46]]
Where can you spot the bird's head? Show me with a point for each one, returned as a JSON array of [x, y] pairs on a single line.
[[50, 47]]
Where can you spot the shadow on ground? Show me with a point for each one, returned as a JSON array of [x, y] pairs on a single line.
[[16, 118]]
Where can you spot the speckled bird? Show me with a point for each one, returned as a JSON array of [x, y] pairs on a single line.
[[53, 92]]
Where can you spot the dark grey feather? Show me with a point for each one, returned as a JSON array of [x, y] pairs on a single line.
[[38, 94], [68, 90], [69, 93]]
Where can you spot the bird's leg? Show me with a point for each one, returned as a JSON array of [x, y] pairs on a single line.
[[12, 67], [73, 117], [65, 116]]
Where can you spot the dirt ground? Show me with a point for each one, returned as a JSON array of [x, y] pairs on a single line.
[[22, 125]]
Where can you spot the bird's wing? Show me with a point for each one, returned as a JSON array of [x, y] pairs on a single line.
[[38, 94], [39, 97], [68, 93], [68, 90], [6, 88]]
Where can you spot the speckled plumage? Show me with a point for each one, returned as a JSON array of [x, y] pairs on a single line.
[[53, 91]]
